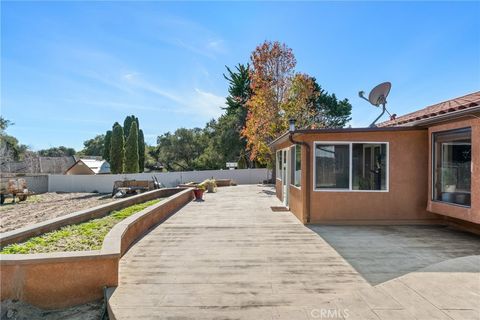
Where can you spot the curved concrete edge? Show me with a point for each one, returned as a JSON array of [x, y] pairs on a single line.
[[124, 233], [24, 233], [64, 279]]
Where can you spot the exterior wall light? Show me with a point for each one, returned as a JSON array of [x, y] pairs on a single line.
[[291, 123]]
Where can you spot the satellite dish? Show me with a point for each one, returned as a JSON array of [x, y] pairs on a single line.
[[377, 97], [379, 94]]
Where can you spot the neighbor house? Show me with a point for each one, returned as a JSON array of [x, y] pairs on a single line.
[[89, 166], [423, 167]]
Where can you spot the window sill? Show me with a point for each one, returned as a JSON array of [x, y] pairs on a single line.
[[452, 204]]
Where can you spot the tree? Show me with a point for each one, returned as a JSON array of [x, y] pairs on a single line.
[[127, 124], [57, 152], [228, 141], [131, 150], [273, 67], [141, 151], [313, 107], [94, 147], [107, 144], [117, 151], [10, 148], [180, 151], [331, 112]]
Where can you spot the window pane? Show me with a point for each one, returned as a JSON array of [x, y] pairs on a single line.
[[298, 165], [279, 164], [369, 162], [295, 165], [332, 166], [452, 166]]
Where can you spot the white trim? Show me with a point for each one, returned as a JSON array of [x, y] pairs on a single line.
[[350, 183]]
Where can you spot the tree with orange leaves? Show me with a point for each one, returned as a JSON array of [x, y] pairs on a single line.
[[279, 94], [273, 66]]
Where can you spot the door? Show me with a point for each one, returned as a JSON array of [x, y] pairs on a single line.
[[285, 175]]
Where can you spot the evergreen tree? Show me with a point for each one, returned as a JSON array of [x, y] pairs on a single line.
[[107, 145], [141, 151], [117, 149], [131, 150], [127, 123]]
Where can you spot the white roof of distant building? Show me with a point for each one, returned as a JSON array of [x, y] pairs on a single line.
[[97, 166]]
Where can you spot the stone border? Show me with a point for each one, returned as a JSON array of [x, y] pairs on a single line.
[[62, 279]]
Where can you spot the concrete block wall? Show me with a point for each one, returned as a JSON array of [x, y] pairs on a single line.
[[104, 183]]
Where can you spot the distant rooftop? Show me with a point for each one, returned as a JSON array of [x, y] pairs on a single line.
[[450, 106]]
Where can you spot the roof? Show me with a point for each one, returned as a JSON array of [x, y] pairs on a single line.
[[36, 164], [97, 166], [284, 137], [442, 109]]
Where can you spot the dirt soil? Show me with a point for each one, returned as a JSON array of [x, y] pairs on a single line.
[[46, 206], [16, 310]]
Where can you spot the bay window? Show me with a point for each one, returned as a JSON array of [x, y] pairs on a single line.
[[452, 161]]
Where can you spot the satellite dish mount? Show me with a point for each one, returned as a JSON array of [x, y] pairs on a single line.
[[378, 97]]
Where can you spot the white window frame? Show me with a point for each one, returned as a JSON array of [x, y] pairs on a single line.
[[293, 159], [350, 163], [279, 167]]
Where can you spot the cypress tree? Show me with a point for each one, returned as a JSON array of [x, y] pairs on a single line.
[[107, 145], [117, 149], [141, 151], [127, 123], [131, 150]]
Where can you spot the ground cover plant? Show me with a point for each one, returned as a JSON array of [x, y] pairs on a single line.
[[88, 235]]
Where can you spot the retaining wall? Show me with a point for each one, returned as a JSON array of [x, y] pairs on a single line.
[[64, 279]]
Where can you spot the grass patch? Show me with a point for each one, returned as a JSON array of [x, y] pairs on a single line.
[[85, 236]]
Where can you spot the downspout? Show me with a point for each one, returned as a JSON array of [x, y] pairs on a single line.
[[307, 175]]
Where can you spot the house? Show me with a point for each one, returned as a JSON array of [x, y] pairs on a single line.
[[38, 165], [423, 167], [89, 166]]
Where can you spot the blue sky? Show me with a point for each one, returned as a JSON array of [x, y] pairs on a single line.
[[70, 69]]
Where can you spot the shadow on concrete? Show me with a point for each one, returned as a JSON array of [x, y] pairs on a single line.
[[382, 253]]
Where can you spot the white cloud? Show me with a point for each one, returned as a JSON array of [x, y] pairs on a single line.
[[209, 103], [196, 101]]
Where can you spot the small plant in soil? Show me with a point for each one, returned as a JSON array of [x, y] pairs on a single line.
[[85, 236]]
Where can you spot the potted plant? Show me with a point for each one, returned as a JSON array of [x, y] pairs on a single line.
[[198, 191]]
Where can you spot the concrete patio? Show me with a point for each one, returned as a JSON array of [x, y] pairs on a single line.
[[232, 257]]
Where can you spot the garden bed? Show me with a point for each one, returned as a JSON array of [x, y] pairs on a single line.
[[85, 236], [45, 206]]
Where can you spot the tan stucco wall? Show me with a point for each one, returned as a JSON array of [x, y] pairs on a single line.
[[295, 202], [406, 200], [63, 279], [278, 189], [471, 214]]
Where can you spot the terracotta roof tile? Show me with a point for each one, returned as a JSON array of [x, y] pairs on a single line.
[[468, 101]]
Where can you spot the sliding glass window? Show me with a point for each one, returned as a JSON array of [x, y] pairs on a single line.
[[452, 161], [369, 166], [296, 165], [332, 166], [351, 166]]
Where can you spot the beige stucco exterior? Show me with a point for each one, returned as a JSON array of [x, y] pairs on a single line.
[[404, 202]]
